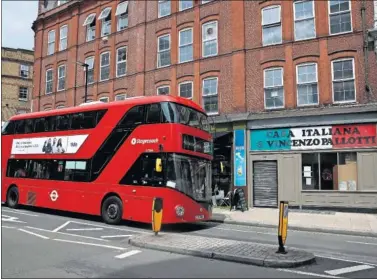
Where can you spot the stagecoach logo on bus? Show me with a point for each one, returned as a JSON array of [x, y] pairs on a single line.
[[48, 145], [143, 141]]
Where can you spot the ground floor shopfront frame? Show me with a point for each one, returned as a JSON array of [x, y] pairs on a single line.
[[318, 161]]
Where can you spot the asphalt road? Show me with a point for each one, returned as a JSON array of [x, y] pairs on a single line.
[[39, 243]]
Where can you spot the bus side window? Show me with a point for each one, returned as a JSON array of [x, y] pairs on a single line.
[[9, 128], [17, 168], [153, 114], [134, 117], [89, 120], [51, 124], [77, 119], [100, 115], [40, 125], [20, 126], [29, 126], [62, 122]]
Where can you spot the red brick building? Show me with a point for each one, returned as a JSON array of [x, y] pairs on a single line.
[[253, 65]]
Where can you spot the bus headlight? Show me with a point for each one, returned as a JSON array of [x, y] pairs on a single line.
[[179, 210]]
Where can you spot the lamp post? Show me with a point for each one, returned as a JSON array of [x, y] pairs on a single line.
[[86, 79]]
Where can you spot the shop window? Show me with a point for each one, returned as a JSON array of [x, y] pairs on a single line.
[[329, 171]]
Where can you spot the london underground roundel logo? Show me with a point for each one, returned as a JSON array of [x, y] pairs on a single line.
[[133, 141]]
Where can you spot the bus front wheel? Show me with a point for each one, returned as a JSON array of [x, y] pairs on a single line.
[[12, 197], [112, 210]]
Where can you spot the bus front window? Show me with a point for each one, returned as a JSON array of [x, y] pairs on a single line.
[[189, 175]]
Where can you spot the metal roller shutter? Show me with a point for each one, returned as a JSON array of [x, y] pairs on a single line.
[[265, 184]]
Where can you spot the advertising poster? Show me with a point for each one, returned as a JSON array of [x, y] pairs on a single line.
[[239, 158], [48, 145]]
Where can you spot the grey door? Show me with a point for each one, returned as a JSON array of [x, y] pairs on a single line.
[[265, 184]]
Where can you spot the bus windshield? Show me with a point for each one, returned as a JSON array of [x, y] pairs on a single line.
[[176, 113], [189, 175]]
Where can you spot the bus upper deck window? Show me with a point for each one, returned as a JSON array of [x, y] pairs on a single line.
[[154, 114]]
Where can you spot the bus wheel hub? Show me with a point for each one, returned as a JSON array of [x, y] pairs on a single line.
[[112, 211]]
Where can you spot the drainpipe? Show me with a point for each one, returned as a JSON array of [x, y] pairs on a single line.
[[365, 50]]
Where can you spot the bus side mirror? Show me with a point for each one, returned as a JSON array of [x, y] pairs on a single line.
[[158, 165]]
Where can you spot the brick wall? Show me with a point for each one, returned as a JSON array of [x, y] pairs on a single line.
[[11, 81], [239, 64]]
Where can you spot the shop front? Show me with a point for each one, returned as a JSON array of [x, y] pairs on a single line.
[[314, 166]]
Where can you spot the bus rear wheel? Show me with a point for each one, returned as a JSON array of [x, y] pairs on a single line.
[[12, 197], [112, 210]]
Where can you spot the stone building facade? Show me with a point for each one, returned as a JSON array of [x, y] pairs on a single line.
[[16, 81]]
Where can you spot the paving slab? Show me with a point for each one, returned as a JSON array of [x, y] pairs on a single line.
[[223, 249]]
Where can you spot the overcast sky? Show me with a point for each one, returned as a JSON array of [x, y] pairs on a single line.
[[16, 20]]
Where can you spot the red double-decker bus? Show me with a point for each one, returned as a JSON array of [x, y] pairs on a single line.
[[112, 159]]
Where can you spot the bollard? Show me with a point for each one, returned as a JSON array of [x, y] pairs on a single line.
[[283, 226], [157, 215]]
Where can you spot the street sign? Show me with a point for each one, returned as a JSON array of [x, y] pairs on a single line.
[[283, 226]]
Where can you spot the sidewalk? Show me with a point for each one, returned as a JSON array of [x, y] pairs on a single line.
[[223, 249], [332, 222]]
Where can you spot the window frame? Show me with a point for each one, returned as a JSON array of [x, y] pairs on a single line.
[[338, 13], [104, 22], [189, 44], [272, 25], [307, 83], [123, 61], [205, 1], [210, 95], [217, 38], [181, 2], [354, 79], [119, 16], [121, 94], [159, 51], [162, 86], [90, 27], [301, 20], [52, 81], [91, 69], [159, 10], [264, 87], [52, 42], [60, 106], [63, 38], [27, 93], [23, 70], [104, 98], [101, 66], [59, 77], [192, 89]]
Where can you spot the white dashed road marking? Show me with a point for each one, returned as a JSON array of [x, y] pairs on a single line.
[[90, 244], [307, 273], [38, 235], [62, 226], [19, 212], [348, 269], [108, 227], [365, 243], [70, 234], [7, 227], [86, 229], [7, 218], [128, 254]]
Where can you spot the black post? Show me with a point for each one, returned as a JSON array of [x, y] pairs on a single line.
[[86, 82]]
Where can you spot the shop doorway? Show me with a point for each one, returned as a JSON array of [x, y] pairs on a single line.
[[222, 163], [265, 184]]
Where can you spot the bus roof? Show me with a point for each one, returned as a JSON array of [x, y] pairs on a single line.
[[140, 100]]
